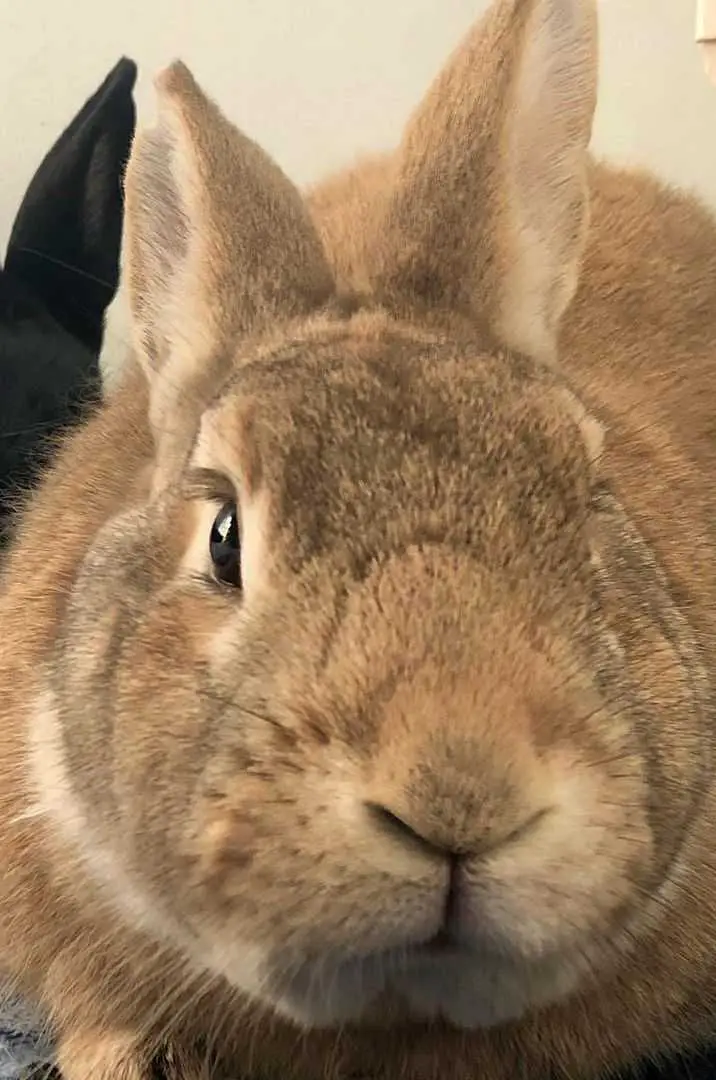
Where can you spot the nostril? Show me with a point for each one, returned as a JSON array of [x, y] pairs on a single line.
[[390, 822], [386, 819]]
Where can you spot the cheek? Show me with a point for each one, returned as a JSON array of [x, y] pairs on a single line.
[[576, 878], [271, 835], [164, 717], [250, 832]]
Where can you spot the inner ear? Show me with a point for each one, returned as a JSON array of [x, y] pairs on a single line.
[[546, 198]]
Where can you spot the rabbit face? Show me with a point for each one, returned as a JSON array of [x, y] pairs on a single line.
[[404, 715]]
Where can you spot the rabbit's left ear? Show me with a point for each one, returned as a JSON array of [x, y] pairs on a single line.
[[490, 210]]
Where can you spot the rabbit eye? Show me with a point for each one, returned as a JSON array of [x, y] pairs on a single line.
[[225, 546]]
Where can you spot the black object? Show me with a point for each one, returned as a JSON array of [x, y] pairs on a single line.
[[61, 273]]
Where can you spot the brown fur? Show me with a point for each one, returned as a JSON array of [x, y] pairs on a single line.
[[459, 606]]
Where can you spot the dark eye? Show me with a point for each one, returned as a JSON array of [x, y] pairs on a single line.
[[225, 546]]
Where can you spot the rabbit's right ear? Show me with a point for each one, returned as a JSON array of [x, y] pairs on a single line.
[[218, 242]]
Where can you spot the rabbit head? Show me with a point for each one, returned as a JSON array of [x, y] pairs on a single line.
[[351, 696]]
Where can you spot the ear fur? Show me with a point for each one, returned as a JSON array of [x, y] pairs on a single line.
[[490, 209], [217, 242]]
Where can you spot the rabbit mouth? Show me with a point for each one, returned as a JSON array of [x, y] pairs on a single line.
[[435, 980]]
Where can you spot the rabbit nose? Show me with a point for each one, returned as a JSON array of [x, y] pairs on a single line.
[[452, 836], [455, 769]]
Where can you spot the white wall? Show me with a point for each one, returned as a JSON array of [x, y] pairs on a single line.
[[318, 80]]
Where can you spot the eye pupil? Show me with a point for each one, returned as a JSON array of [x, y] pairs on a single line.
[[225, 546]]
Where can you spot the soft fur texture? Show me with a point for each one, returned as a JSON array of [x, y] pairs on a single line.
[[60, 274], [431, 794]]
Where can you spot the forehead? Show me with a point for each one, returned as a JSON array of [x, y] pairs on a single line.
[[401, 438]]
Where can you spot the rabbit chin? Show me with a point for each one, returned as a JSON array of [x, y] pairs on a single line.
[[466, 990]]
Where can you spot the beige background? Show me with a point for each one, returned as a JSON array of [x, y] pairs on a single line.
[[318, 80]]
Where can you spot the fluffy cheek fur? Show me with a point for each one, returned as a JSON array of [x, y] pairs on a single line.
[[289, 830], [536, 917]]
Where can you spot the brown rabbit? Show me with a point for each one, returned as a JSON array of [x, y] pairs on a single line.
[[357, 716]]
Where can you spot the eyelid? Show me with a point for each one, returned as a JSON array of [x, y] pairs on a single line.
[[207, 485]]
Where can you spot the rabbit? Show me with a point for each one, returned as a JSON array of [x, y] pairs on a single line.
[[61, 271], [357, 716]]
